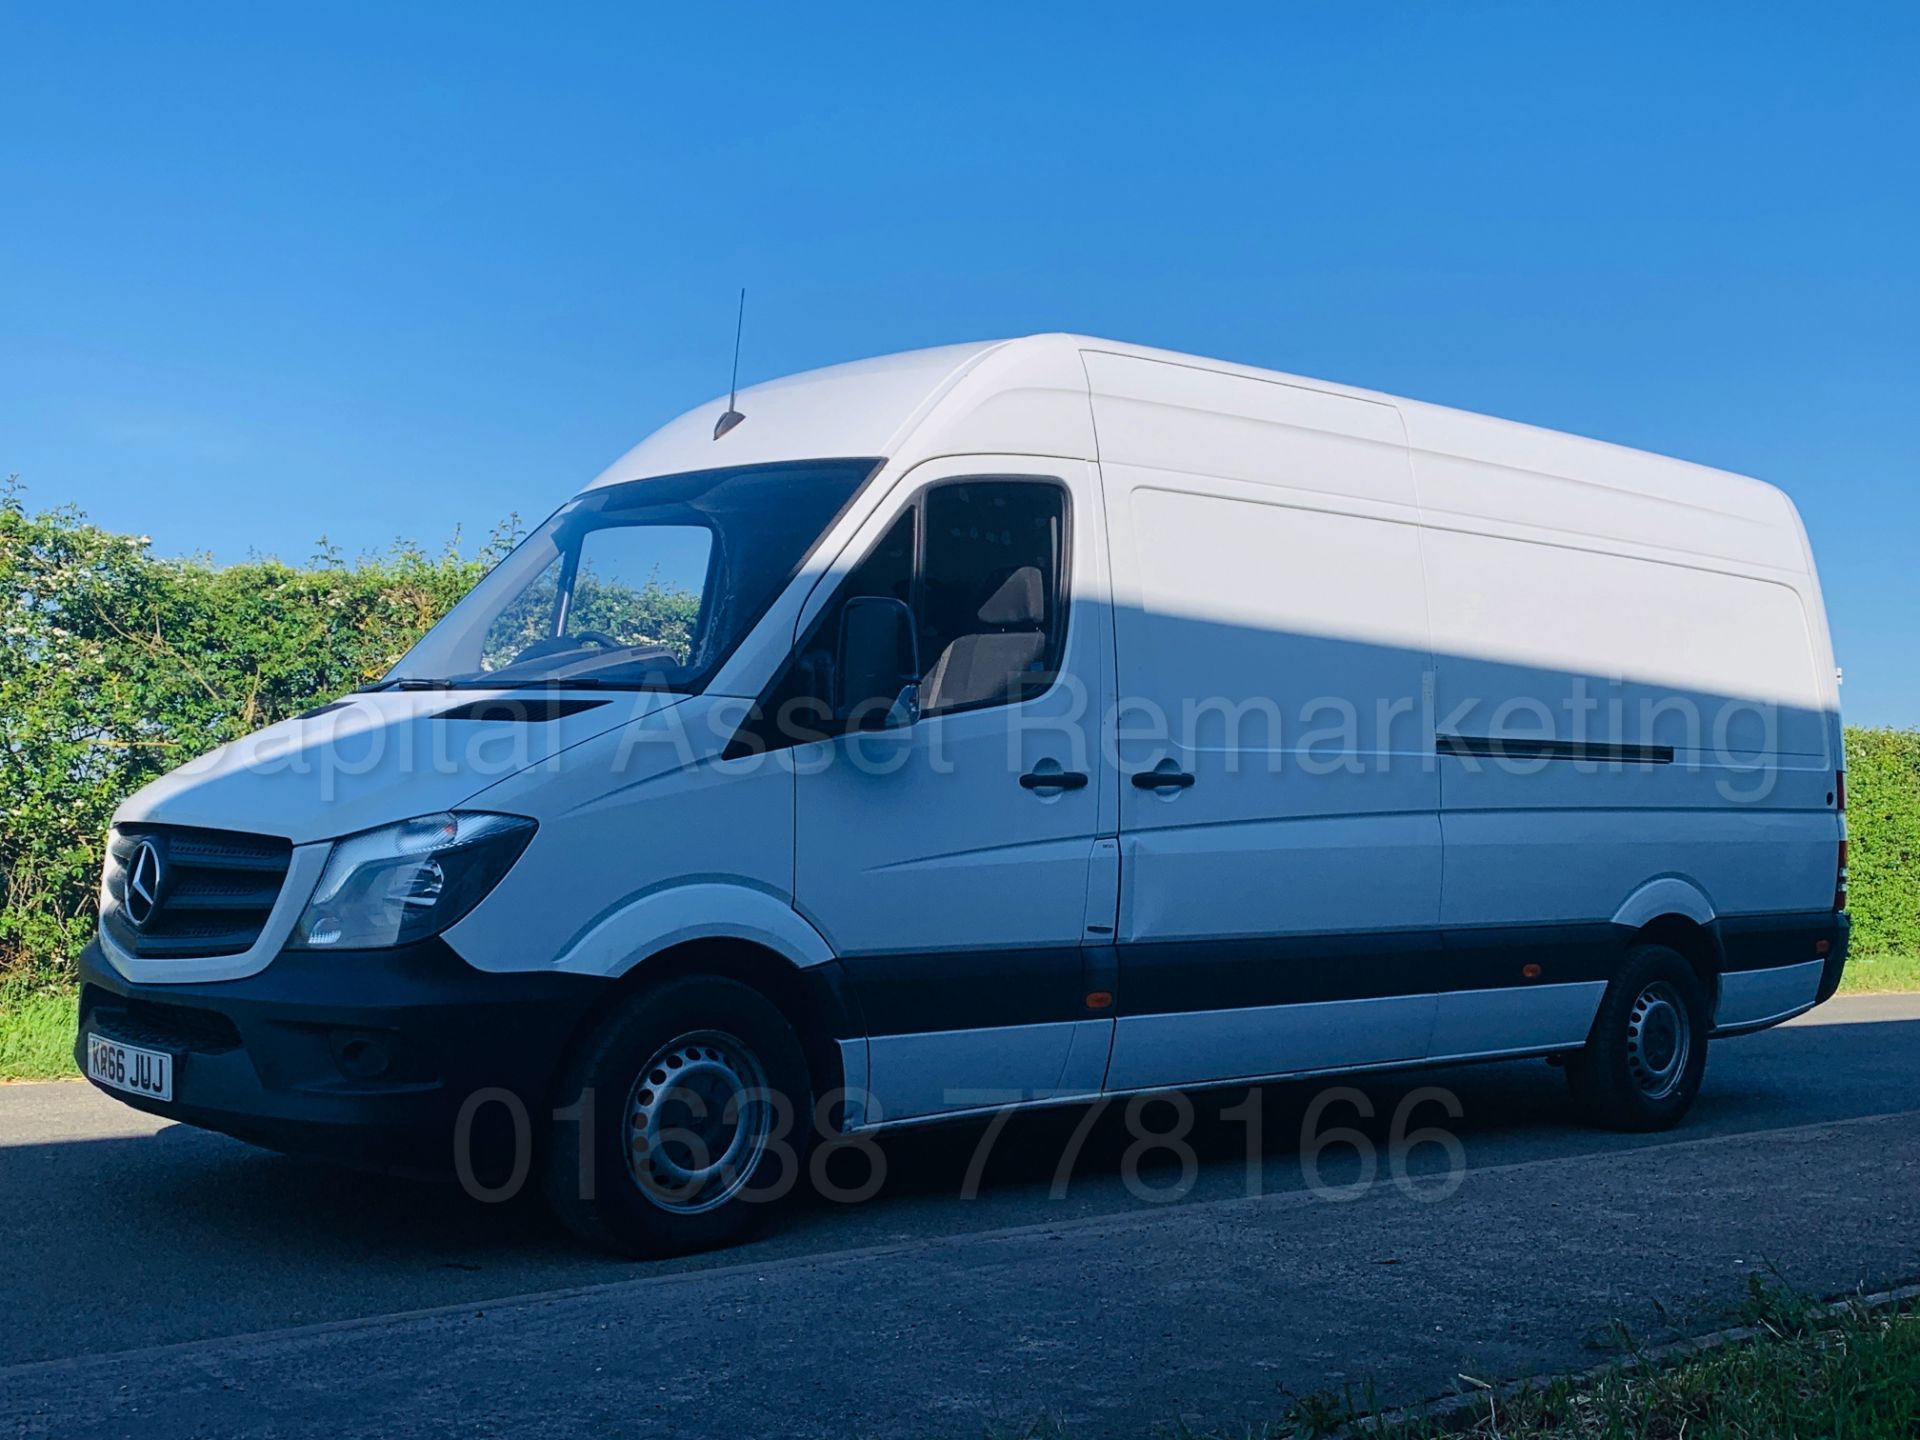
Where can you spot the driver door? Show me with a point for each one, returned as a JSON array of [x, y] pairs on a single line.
[[952, 861]]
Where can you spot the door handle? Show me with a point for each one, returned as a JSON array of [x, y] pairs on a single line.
[[1053, 780], [1161, 780]]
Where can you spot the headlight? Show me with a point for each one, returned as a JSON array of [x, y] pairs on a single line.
[[404, 882]]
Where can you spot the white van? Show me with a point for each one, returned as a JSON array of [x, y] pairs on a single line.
[[1021, 722]]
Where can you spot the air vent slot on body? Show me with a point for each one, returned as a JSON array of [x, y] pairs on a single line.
[[179, 892], [327, 709], [531, 711]]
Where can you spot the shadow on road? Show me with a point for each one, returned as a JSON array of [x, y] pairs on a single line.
[[130, 1241]]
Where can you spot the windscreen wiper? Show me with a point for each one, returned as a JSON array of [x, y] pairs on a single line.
[[406, 682]]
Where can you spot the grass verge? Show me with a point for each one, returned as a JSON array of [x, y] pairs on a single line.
[[1886, 973], [1799, 1369], [1794, 1368], [36, 1032]]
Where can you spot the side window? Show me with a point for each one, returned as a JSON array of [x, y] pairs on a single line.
[[982, 565], [988, 596]]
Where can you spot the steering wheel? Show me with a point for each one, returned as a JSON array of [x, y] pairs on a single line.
[[595, 637]]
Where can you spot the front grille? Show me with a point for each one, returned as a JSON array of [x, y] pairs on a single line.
[[213, 892], [174, 1028]]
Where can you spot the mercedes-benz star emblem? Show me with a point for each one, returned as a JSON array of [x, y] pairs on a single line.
[[143, 884]]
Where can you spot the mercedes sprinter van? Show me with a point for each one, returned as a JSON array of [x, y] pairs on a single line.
[[1011, 723]]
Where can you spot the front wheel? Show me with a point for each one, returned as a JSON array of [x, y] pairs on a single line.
[[683, 1117], [1647, 1052]]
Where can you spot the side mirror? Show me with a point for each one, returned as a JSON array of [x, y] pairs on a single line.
[[877, 679]]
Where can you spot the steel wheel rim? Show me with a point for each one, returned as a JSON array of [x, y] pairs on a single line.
[[697, 1117], [1659, 1040]]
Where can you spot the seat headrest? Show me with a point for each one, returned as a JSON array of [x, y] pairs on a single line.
[[1020, 599]]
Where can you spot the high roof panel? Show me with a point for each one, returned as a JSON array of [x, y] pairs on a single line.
[[857, 409], [1028, 396]]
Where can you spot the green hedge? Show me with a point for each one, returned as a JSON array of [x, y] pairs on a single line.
[[1883, 847], [116, 666]]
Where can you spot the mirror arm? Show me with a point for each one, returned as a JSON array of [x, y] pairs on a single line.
[[906, 705]]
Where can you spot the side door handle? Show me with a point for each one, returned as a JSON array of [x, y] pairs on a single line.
[[1053, 780], [1161, 780]]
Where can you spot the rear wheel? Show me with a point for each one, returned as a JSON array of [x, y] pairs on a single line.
[[1647, 1052], [687, 1109]]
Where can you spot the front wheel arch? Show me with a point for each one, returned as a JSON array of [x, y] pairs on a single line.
[[690, 1024], [814, 999]]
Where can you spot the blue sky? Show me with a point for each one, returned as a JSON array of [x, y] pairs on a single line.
[[269, 272]]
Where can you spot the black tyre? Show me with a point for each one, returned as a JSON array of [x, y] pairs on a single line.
[[691, 1105], [1647, 1051]]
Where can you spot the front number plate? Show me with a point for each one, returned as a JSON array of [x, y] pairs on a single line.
[[129, 1068]]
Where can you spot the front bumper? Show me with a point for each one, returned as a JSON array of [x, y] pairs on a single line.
[[365, 1057]]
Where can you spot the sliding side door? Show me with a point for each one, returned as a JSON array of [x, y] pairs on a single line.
[[1279, 833]]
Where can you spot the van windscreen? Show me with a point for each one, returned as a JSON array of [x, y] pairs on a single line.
[[646, 585]]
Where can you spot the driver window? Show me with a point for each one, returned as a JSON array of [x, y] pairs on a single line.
[[639, 585], [982, 564], [989, 592], [985, 583]]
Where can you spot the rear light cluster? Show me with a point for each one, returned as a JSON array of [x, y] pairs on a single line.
[[1840, 867]]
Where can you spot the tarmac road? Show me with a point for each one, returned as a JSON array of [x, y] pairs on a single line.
[[157, 1281]]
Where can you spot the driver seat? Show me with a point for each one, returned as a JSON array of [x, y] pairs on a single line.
[[984, 666]]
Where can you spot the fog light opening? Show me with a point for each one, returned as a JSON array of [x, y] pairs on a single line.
[[363, 1057]]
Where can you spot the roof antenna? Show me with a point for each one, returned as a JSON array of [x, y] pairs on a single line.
[[733, 417]]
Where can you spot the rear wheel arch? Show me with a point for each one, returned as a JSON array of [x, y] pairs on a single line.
[[1646, 1054], [1699, 944]]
